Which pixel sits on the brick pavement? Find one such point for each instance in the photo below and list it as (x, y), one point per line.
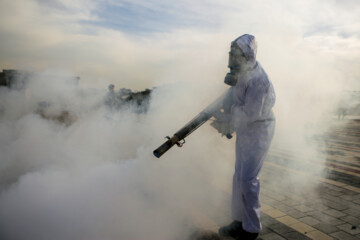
(298, 203)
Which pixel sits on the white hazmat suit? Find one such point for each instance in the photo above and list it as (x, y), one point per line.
(254, 124)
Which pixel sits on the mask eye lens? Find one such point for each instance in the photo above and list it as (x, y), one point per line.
(235, 54)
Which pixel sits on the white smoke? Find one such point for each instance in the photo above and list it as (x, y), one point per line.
(97, 177)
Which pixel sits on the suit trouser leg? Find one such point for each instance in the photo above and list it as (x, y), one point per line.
(252, 145)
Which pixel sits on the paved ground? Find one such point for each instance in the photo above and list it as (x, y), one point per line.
(309, 204)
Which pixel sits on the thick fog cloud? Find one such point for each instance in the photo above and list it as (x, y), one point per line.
(97, 177)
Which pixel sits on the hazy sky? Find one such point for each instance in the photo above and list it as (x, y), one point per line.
(141, 43)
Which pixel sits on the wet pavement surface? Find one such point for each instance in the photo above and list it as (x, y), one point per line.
(302, 199)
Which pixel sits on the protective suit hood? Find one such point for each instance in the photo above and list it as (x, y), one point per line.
(248, 45)
(242, 57)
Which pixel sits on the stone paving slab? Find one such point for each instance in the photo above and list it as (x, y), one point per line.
(309, 206)
(343, 236)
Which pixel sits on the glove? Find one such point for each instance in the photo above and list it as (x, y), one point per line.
(223, 124)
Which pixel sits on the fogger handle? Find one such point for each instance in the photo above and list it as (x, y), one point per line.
(166, 146)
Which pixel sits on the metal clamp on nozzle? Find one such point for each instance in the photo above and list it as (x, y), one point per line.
(179, 144)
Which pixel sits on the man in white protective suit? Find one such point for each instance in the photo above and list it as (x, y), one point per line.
(254, 123)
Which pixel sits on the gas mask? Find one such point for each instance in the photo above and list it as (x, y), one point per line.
(242, 57)
(237, 64)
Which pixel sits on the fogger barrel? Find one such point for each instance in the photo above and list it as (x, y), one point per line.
(191, 126)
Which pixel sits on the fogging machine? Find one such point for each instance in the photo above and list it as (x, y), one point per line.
(210, 111)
